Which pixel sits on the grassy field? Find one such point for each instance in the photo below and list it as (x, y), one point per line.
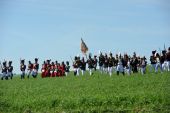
(97, 93)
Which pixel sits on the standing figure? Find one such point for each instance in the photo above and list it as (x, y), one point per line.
(22, 68)
(168, 59)
(75, 65)
(43, 69)
(63, 69)
(128, 66)
(35, 68)
(110, 64)
(52, 70)
(48, 69)
(95, 62)
(101, 62)
(135, 63)
(158, 63)
(30, 69)
(90, 65)
(10, 69)
(106, 63)
(83, 66)
(67, 68)
(143, 64)
(4, 71)
(153, 61)
(120, 65)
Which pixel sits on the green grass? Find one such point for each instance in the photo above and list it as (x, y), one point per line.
(97, 93)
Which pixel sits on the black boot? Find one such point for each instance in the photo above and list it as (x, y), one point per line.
(117, 72)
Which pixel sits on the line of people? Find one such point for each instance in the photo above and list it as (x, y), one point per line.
(107, 64)
(54, 69)
(122, 63)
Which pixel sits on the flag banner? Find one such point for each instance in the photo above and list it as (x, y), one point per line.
(84, 47)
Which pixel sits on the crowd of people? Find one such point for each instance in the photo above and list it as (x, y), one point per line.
(105, 63)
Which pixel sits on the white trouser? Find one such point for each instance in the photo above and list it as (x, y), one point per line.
(66, 73)
(158, 65)
(165, 66)
(101, 69)
(82, 72)
(78, 71)
(90, 71)
(168, 65)
(120, 68)
(110, 69)
(128, 71)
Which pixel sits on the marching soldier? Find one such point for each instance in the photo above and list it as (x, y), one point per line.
(4, 71)
(168, 59)
(48, 68)
(110, 64)
(163, 60)
(30, 68)
(135, 63)
(143, 64)
(10, 69)
(95, 62)
(106, 62)
(120, 65)
(43, 69)
(52, 69)
(67, 68)
(75, 66)
(63, 68)
(153, 61)
(83, 66)
(101, 62)
(90, 64)
(35, 68)
(158, 64)
(22, 68)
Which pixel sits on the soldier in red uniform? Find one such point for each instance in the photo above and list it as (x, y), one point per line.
(35, 68)
(47, 72)
(52, 69)
(63, 68)
(43, 70)
(56, 69)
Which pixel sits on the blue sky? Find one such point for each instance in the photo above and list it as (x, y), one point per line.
(53, 28)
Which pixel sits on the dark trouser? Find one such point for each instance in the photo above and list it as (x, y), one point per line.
(122, 73)
(23, 75)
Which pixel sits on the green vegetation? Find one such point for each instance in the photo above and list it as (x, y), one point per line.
(97, 93)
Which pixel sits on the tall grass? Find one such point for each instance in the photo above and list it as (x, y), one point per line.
(97, 93)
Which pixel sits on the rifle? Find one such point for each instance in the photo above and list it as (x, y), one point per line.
(71, 59)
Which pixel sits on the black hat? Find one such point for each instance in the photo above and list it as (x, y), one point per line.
(153, 52)
(169, 48)
(22, 61)
(48, 60)
(164, 51)
(36, 59)
(10, 62)
(4, 63)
